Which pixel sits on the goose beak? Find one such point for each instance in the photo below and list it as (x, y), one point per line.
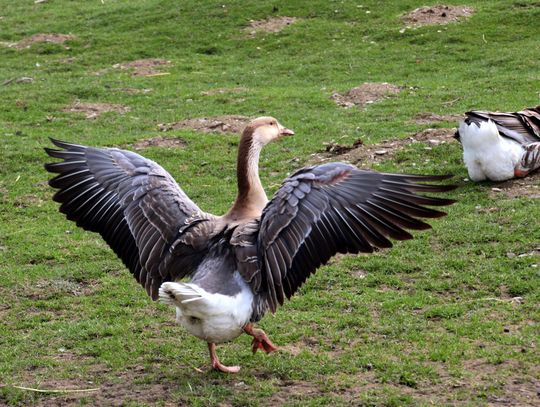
(283, 131)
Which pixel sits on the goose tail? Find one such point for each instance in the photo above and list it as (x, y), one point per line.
(177, 294)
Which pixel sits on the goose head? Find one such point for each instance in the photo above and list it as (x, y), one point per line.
(266, 129)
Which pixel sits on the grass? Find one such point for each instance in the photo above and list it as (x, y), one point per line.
(447, 318)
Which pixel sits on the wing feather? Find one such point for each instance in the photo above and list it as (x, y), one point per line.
(136, 207)
(331, 208)
(522, 126)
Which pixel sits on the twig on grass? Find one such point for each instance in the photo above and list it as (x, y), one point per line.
(55, 390)
(157, 74)
(451, 102)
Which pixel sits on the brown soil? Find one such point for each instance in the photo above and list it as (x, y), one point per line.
(221, 91)
(165, 142)
(144, 67)
(360, 154)
(107, 394)
(146, 385)
(294, 390)
(516, 390)
(440, 14)
(271, 24)
(432, 118)
(435, 136)
(220, 124)
(93, 110)
(447, 390)
(45, 289)
(520, 187)
(52, 38)
(365, 94)
(25, 201)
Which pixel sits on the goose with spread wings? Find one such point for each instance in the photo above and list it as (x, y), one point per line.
(500, 145)
(223, 273)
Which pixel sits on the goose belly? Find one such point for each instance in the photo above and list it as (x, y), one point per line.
(213, 329)
(213, 317)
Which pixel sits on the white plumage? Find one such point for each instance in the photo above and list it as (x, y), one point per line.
(215, 318)
(500, 145)
(487, 155)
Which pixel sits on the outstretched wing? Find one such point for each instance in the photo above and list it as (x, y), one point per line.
(134, 204)
(522, 126)
(331, 208)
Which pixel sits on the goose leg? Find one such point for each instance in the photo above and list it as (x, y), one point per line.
(260, 339)
(216, 364)
(518, 173)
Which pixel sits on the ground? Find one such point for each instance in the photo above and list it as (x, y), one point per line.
(365, 94)
(447, 318)
(438, 14)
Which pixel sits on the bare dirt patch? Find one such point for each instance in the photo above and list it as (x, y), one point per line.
(520, 187)
(516, 389)
(107, 394)
(271, 24)
(220, 124)
(365, 94)
(433, 118)
(45, 289)
(144, 67)
(51, 38)
(93, 110)
(25, 201)
(435, 136)
(358, 153)
(439, 14)
(294, 390)
(165, 142)
(222, 91)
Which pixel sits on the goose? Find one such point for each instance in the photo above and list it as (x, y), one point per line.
(500, 146)
(223, 273)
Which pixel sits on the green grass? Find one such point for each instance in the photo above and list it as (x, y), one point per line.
(435, 320)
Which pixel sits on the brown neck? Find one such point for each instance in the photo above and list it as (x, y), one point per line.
(251, 198)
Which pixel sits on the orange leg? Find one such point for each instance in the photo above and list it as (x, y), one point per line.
(216, 364)
(260, 339)
(520, 173)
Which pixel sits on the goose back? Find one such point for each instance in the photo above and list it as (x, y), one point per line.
(522, 127)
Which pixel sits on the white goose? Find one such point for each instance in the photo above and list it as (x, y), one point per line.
(249, 260)
(499, 146)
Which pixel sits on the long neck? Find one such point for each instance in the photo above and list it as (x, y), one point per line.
(251, 198)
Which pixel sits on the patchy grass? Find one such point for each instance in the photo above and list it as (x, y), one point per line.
(448, 318)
